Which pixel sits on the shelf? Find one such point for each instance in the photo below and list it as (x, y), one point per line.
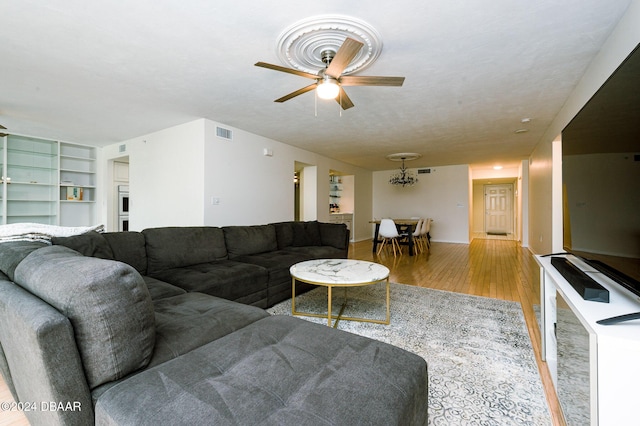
(75, 157)
(31, 183)
(76, 171)
(26, 166)
(20, 200)
(31, 215)
(66, 185)
(77, 201)
(28, 152)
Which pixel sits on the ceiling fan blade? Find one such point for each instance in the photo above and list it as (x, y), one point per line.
(344, 100)
(344, 56)
(2, 127)
(285, 69)
(297, 92)
(2, 135)
(361, 80)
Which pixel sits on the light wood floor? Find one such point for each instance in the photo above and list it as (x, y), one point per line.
(494, 268)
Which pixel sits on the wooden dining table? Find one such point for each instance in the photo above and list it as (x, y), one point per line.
(404, 226)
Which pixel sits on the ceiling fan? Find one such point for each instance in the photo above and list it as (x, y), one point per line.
(1, 133)
(330, 81)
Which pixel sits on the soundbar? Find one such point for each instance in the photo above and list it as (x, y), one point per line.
(586, 287)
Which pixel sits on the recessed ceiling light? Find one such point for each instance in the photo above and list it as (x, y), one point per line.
(497, 167)
(521, 131)
(525, 120)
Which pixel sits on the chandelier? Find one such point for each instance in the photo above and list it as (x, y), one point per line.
(404, 177)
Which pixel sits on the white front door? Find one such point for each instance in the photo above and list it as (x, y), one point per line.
(498, 204)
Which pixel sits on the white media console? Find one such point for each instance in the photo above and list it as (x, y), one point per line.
(595, 368)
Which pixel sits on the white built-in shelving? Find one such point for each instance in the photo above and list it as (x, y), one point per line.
(38, 178)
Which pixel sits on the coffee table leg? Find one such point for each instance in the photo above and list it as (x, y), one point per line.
(293, 296)
(329, 306)
(388, 303)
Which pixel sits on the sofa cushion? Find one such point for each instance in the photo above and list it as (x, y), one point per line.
(90, 244)
(277, 371)
(276, 262)
(107, 303)
(306, 234)
(128, 247)
(284, 234)
(241, 240)
(190, 320)
(334, 235)
(175, 247)
(242, 282)
(12, 253)
(160, 289)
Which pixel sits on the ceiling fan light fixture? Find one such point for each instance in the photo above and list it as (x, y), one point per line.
(328, 89)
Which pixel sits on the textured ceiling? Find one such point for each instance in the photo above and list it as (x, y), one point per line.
(100, 72)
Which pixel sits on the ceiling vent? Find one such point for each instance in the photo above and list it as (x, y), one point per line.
(224, 133)
(423, 171)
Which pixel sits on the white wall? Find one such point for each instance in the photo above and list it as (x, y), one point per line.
(165, 177)
(442, 195)
(540, 171)
(523, 204)
(254, 188)
(477, 207)
(251, 188)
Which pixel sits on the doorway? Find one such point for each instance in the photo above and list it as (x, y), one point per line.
(119, 214)
(305, 178)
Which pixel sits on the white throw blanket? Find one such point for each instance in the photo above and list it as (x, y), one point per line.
(41, 232)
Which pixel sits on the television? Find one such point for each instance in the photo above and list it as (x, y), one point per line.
(601, 178)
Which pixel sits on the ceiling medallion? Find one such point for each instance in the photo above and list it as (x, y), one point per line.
(403, 177)
(302, 44)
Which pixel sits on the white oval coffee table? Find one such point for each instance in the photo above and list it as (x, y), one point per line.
(332, 273)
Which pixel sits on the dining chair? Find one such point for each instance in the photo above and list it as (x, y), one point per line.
(426, 237)
(389, 233)
(422, 230)
(417, 240)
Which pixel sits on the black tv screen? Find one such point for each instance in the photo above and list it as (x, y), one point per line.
(601, 175)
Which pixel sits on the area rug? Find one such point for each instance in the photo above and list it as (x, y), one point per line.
(482, 369)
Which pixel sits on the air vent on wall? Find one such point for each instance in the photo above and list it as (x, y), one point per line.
(224, 133)
(423, 171)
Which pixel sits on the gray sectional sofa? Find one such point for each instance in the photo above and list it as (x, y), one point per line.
(157, 327)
